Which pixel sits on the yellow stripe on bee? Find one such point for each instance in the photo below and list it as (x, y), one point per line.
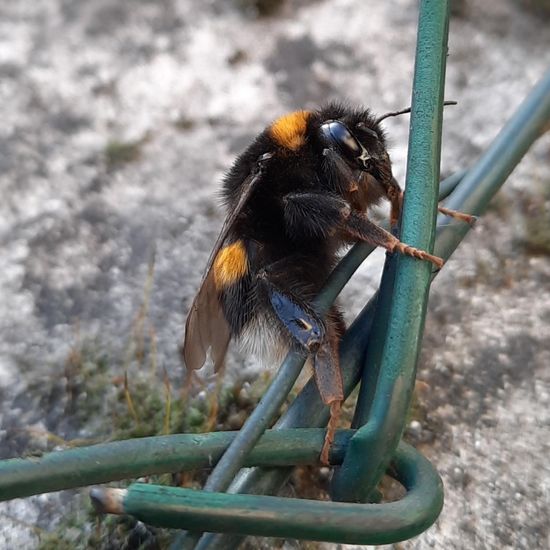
(230, 265)
(290, 130)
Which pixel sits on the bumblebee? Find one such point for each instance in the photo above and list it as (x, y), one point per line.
(296, 196)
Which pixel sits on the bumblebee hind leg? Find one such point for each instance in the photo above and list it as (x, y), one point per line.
(295, 316)
(328, 377)
(320, 339)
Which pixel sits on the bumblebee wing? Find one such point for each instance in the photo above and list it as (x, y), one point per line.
(206, 326)
(247, 188)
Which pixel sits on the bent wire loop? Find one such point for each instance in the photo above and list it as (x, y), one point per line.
(379, 350)
(290, 517)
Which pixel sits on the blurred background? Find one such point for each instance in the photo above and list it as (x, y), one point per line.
(118, 120)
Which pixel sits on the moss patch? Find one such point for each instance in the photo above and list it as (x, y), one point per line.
(86, 529)
(118, 153)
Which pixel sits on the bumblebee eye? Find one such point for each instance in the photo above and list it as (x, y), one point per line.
(337, 134)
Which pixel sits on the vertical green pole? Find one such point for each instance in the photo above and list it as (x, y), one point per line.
(392, 356)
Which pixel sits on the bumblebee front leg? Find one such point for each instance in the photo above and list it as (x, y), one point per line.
(467, 218)
(321, 215)
(395, 196)
(359, 228)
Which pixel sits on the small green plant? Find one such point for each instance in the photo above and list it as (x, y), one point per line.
(118, 153)
(87, 529)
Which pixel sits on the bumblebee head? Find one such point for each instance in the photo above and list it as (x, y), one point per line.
(348, 144)
(354, 147)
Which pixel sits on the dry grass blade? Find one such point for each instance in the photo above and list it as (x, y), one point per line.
(168, 411)
(153, 350)
(141, 316)
(129, 400)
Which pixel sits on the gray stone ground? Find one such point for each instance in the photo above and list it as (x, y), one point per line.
(188, 84)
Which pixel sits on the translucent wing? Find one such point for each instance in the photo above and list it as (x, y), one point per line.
(206, 327)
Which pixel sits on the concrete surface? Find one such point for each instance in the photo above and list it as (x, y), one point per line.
(118, 120)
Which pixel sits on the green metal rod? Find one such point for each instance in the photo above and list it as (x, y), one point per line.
(399, 320)
(417, 227)
(475, 190)
(449, 184)
(289, 517)
(23, 477)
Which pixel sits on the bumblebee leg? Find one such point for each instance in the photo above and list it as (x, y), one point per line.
(328, 378)
(468, 218)
(319, 338)
(320, 214)
(313, 214)
(297, 317)
(359, 227)
(395, 196)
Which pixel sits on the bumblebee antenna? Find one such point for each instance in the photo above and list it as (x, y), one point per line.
(405, 111)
